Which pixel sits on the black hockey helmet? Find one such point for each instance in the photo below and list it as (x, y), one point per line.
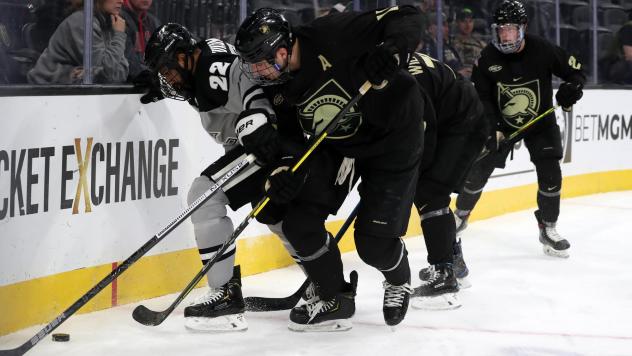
(509, 13)
(258, 39)
(161, 52)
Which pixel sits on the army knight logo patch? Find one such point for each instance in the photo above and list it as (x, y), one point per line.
(323, 105)
(519, 103)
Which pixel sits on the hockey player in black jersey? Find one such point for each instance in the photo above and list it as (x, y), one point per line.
(454, 136)
(513, 80)
(320, 67)
(237, 115)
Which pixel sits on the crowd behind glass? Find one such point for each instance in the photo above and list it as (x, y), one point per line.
(42, 42)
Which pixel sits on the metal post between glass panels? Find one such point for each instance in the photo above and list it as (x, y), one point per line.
(88, 7)
(594, 41)
(558, 39)
(439, 19)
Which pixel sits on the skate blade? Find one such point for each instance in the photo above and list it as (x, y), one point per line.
(224, 323)
(464, 283)
(446, 301)
(548, 250)
(325, 326)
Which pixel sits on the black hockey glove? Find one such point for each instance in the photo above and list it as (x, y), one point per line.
(148, 80)
(152, 96)
(381, 64)
(283, 186)
(568, 94)
(257, 135)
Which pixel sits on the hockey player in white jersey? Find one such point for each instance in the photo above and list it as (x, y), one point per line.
(236, 113)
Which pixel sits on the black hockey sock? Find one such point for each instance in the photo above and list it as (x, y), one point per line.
(549, 188)
(549, 207)
(326, 272)
(439, 235)
(400, 274)
(467, 199)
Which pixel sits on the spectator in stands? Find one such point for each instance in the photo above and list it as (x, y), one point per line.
(477, 7)
(617, 65)
(139, 25)
(467, 46)
(450, 55)
(9, 68)
(62, 61)
(48, 15)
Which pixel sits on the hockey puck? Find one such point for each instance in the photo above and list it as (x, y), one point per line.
(61, 337)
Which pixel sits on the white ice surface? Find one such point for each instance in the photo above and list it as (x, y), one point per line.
(521, 302)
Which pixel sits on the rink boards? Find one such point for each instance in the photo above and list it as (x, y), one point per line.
(86, 180)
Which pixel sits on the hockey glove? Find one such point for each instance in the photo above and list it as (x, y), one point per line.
(568, 94)
(283, 186)
(257, 135)
(148, 80)
(381, 64)
(152, 96)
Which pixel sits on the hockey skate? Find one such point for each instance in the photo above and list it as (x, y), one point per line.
(439, 292)
(220, 309)
(552, 243)
(326, 315)
(460, 268)
(396, 300)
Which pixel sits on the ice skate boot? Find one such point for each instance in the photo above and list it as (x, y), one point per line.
(552, 243)
(332, 314)
(396, 299)
(220, 309)
(439, 292)
(460, 268)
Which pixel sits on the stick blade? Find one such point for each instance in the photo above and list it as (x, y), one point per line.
(147, 317)
(261, 304)
(12, 352)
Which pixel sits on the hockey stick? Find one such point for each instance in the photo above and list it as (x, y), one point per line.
(517, 135)
(258, 304)
(145, 316)
(130, 260)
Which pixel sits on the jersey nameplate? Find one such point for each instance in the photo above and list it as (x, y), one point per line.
(219, 46)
